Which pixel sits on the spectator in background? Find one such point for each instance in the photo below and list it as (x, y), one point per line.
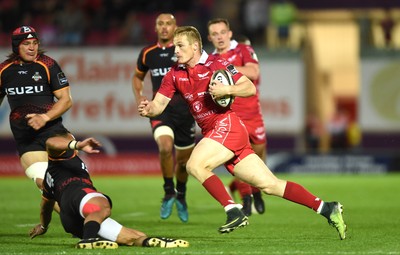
(337, 128)
(255, 18)
(313, 132)
(282, 15)
(387, 25)
(71, 23)
(132, 30)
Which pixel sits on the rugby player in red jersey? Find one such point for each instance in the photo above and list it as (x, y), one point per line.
(225, 141)
(248, 109)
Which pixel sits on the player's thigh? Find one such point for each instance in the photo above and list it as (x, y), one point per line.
(30, 157)
(183, 154)
(260, 150)
(164, 137)
(253, 171)
(209, 154)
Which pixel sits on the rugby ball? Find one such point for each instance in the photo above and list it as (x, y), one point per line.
(225, 78)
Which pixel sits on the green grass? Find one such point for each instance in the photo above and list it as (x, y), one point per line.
(371, 207)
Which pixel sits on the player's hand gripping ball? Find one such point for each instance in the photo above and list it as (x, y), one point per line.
(225, 78)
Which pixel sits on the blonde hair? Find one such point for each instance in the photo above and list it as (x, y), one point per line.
(192, 34)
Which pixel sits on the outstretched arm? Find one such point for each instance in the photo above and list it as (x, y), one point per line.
(153, 108)
(46, 209)
(60, 143)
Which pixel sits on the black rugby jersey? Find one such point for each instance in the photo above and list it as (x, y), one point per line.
(29, 86)
(159, 60)
(63, 173)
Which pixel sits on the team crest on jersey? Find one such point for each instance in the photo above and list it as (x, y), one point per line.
(36, 76)
(197, 106)
(61, 78)
(231, 68)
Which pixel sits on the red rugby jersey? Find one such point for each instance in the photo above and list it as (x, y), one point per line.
(192, 84)
(240, 54)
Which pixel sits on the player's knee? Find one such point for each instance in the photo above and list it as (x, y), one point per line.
(196, 168)
(190, 167)
(165, 151)
(270, 188)
(89, 208)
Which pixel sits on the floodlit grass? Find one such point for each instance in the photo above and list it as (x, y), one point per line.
(371, 210)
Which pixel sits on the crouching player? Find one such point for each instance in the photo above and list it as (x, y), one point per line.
(85, 212)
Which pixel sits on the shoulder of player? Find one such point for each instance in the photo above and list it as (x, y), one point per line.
(156, 48)
(216, 62)
(244, 47)
(4, 65)
(46, 60)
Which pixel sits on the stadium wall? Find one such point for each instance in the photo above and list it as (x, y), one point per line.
(104, 106)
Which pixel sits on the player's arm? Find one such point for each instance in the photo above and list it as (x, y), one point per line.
(244, 87)
(62, 143)
(137, 85)
(251, 70)
(153, 108)
(46, 209)
(63, 104)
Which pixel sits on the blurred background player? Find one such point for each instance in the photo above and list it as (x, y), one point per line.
(225, 140)
(176, 126)
(38, 94)
(85, 212)
(243, 57)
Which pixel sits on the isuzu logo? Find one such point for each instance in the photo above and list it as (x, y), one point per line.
(24, 90)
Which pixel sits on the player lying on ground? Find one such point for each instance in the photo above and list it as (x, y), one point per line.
(85, 212)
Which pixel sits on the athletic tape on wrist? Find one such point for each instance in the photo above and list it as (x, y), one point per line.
(72, 145)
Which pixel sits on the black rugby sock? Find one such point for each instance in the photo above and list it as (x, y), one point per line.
(90, 229)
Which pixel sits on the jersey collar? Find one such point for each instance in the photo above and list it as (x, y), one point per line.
(168, 46)
(203, 58)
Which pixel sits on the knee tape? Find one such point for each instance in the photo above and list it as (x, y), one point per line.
(89, 208)
(110, 229)
(85, 199)
(163, 130)
(36, 170)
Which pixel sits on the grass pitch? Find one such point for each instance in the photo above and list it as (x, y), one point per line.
(371, 211)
